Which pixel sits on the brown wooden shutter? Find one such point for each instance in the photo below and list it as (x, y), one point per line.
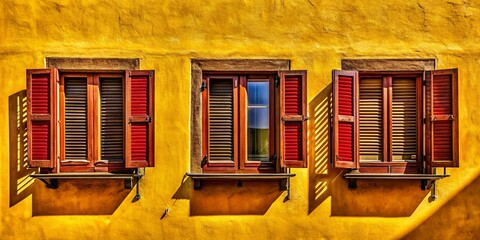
(220, 112)
(41, 117)
(371, 119)
(293, 116)
(139, 113)
(345, 119)
(404, 119)
(76, 119)
(442, 118)
(112, 119)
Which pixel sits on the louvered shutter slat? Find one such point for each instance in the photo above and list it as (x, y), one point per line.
(220, 120)
(371, 119)
(345, 119)
(41, 117)
(293, 114)
(442, 118)
(138, 120)
(76, 138)
(404, 119)
(111, 94)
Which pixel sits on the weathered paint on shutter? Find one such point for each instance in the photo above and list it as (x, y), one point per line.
(345, 119)
(293, 116)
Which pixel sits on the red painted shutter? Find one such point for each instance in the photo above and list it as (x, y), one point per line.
(345, 119)
(293, 116)
(138, 122)
(442, 118)
(41, 117)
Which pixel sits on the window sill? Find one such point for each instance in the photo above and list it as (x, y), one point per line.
(51, 179)
(199, 177)
(427, 179)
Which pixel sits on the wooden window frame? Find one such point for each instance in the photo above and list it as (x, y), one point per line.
(419, 67)
(241, 163)
(387, 165)
(93, 163)
(230, 66)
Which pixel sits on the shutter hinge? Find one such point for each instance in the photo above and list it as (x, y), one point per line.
(204, 161)
(274, 160)
(277, 81)
(149, 119)
(203, 86)
(150, 73)
(424, 121)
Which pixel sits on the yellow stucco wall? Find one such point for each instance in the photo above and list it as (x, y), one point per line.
(315, 35)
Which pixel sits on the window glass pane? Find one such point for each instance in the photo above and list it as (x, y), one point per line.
(76, 119)
(111, 95)
(258, 120)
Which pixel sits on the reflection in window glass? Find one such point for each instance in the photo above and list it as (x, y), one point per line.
(258, 120)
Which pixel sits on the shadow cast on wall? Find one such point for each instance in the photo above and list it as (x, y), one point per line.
(228, 197)
(20, 183)
(72, 197)
(386, 198)
(459, 218)
(79, 197)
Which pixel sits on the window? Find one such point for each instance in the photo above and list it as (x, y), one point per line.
(395, 122)
(90, 121)
(253, 121)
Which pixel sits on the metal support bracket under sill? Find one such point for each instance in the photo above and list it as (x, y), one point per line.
(282, 177)
(51, 179)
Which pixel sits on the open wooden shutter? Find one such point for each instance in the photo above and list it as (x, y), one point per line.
(139, 98)
(442, 118)
(293, 116)
(41, 117)
(345, 119)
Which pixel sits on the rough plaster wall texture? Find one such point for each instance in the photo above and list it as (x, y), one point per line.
(314, 35)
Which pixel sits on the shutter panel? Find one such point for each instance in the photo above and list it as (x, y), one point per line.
(442, 118)
(345, 119)
(220, 118)
(371, 119)
(138, 123)
(404, 119)
(76, 125)
(41, 117)
(111, 94)
(221, 121)
(293, 116)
